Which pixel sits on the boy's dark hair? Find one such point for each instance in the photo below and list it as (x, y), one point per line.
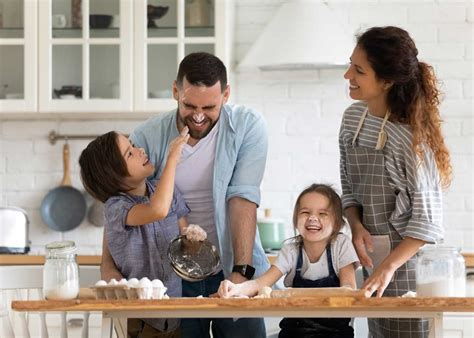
(335, 205)
(103, 167)
(202, 69)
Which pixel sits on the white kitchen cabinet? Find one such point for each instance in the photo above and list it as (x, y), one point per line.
(90, 56)
(18, 55)
(62, 62)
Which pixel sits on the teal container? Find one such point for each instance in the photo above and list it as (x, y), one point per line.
(272, 232)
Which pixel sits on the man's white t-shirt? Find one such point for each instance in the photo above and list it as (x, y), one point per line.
(194, 176)
(342, 254)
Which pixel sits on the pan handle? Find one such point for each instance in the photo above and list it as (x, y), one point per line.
(67, 171)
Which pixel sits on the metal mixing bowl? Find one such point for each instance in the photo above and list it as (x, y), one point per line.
(193, 261)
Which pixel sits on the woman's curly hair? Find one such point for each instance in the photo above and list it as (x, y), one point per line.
(414, 96)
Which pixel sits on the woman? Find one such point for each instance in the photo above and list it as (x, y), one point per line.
(394, 164)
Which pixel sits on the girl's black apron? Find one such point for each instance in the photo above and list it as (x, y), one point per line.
(316, 327)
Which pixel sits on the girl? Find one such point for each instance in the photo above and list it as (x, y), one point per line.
(393, 164)
(319, 256)
(141, 216)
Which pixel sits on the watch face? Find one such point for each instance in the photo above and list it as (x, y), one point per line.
(245, 270)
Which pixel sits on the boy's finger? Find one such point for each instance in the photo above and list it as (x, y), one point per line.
(185, 131)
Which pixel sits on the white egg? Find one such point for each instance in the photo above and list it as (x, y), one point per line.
(133, 282)
(123, 281)
(156, 283)
(144, 282)
(113, 281)
(101, 283)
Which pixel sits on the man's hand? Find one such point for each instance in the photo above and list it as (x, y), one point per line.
(227, 289)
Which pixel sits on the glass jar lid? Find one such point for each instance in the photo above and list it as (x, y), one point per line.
(61, 247)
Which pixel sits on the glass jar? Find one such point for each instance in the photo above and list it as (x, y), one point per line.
(60, 271)
(440, 272)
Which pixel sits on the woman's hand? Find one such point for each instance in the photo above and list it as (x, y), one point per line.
(381, 276)
(194, 233)
(379, 280)
(176, 145)
(362, 243)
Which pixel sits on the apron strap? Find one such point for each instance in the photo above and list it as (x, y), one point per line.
(382, 134)
(359, 127)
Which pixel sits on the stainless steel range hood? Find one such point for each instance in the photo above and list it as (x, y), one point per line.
(303, 34)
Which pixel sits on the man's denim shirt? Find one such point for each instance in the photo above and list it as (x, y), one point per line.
(238, 169)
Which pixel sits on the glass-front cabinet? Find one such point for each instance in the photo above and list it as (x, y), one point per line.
(18, 50)
(102, 56)
(173, 29)
(85, 53)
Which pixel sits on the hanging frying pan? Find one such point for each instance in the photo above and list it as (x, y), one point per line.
(64, 207)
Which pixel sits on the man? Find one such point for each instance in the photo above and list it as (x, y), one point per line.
(219, 174)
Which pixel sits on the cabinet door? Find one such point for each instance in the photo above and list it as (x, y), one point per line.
(18, 63)
(165, 32)
(85, 55)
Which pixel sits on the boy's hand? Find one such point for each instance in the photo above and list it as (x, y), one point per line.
(176, 145)
(195, 233)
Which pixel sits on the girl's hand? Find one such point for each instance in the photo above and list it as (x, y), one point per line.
(379, 280)
(362, 243)
(176, 146)
(195, 233)
(228, 289)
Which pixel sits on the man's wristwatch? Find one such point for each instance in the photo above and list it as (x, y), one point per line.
(245, 270)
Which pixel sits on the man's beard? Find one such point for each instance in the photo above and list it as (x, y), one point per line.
(197, 135)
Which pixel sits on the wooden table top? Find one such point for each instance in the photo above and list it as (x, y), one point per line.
(253, 305)
(96, 259)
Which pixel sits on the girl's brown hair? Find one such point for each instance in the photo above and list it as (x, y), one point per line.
(414, 96)
(335, 205)
(103, 167)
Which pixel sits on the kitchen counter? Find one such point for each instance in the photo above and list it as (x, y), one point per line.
(39, 260)
(95, 260)
(322, 306)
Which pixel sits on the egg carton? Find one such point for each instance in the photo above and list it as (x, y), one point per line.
(126, 292)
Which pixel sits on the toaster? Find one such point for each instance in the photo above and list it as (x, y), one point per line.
(14, 225)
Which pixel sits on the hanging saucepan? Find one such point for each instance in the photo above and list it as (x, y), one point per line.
(64, 207)
(96, 215)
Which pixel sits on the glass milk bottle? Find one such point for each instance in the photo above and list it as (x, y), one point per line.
(60, 271)
(440, 272)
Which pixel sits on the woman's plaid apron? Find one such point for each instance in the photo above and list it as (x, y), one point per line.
(370, 186)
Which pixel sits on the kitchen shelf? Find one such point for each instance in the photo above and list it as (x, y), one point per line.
(11, 33)
(94, 33)
(189, 31)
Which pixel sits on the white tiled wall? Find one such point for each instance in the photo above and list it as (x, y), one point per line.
(303, 110)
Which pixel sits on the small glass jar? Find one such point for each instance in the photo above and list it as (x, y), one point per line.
(440, 272)
(60, 271)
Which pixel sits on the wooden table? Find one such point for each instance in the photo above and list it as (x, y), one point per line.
(344, 306)
(95, 259)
